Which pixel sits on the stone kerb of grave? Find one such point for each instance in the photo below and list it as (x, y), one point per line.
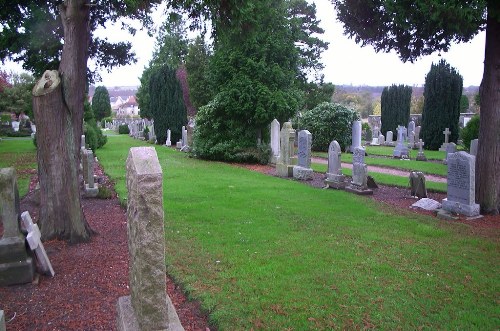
(16, 267)
(302, 170)
(334, 177)
(148, 307)
(461, 185)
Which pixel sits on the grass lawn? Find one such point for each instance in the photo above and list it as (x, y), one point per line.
(266, 253)
(20, 154)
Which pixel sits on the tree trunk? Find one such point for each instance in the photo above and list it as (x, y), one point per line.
(58, 106)
(488, 155)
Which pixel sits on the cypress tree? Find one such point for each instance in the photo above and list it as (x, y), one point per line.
(395, 107)
(442, 92)
(166, 103)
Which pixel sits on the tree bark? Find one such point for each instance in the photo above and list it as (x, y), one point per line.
(488, 155)
(58, 107)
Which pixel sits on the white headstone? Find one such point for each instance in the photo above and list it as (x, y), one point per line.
(450, 149)
(389, 138)
(33, 128)
(381, 139)
(401, 149)
(411, 127)
(334, 176)
(36, 245)
(275, 140)
(15, 126)
(168, 142)
(356, 135)
(461, 198)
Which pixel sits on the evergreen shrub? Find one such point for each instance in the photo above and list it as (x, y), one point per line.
(327, 122)
(123, 129)
(470, 131)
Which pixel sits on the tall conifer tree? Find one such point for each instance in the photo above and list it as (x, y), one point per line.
(395, 107)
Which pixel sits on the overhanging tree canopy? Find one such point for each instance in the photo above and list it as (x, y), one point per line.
(421, 27)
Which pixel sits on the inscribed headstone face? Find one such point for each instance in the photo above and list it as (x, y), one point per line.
(334, 154)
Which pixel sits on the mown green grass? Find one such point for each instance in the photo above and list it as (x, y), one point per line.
(426, 167)
(20, 154)
(266, 253)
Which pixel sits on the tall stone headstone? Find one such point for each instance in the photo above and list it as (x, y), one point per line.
(461, 198)
(401, 150)
(82, 146)
(148, 306)
(334, 176)
(303, 169)
(411, 139)
(446, 133)
(359, 184)
(389, 139)
(474, 144)
(450, 149)
(185, 146)
(168, 142)
(91, 189)
(417, 132)
(356, 135)
(16, 267)
(275, 141)
(285, 164)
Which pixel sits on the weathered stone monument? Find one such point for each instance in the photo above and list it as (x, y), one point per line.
(411, 127)
(168, 142)
(446, 133)
(421, 156)
(285, 164)
(334, 177)
(358, 184)
(417, 132)
(381, 139)
(275, 141)
(303, 169)
(148, 307)
(461, 185)
(91, 188)
(411, 139)
(36, 245)
(417, 185)
(389, 139)
(185, 146)
(474, 144)
(16, 267)
(450, 149)
(356, 135)
(401, 150)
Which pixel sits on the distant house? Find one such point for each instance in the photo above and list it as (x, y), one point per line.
(126, 108)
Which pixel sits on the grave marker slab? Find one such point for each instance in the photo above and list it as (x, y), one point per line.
(334, 177)
(285, 164)
(358, 184)
(275, 141)
(427, 204)
(356, 135)
(389, 139)
(303, 169)
(36, 244)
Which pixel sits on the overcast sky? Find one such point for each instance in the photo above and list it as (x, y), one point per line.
(345, 61)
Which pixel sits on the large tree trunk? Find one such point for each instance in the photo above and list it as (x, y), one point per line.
(488, 155)
(58, 108)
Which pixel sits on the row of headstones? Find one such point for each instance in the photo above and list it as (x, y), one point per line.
(136, 129)
(186, 141)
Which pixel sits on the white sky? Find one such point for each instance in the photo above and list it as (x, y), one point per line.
(345, 61)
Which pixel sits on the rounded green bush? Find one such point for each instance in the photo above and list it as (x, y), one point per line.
(327, 122)
(123, 129)
(470, 131)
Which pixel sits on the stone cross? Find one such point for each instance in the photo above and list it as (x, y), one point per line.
(148, 306)
(36, 245)
(420, 146)
(446, 133)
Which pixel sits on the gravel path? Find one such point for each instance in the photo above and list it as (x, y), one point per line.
(395, 172)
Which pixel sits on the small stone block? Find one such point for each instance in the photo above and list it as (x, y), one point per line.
(91, 192)
(302, 173)
(20, 272)
(358, 190)
(461, 208)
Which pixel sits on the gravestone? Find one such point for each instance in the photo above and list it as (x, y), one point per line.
(356, 135)
(285, 164)
(417, 132)
(148, 307)
(381, 139)
(15, 126)
(474, 143)
(358, 184)
(275, 141)
(411, 140)
(411, 127)
(189, 135)
(168, 142)
(334, 177)
(16, 267)
(421, 156)
(446, 133)
(461, 185)
(302, 170)
(401, 150)
(91, 188)
(36, 245)
(450, 149)
(389, 140)
(185, 146)
(33, 128)
(82, 144)
(427, 204)
(417, 185)
(375, 142)
(2, 321)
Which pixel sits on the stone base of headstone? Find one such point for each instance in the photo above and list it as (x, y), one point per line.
(2, 321)
(284, 170)
(358, 190)
(302, 173)
(400, 151)
(179, 145)
(421, 157)
(335, 181)
(15, 265)
(374, 142)
(460, 208)
(127, 320)
(91, 192)
(168, 143)
(443, 147)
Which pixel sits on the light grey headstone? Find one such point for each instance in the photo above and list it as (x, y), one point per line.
(9, 203)
(450, 149)
(358, 155)
(421, 156)
(334, 155)
(411, 127)
(381, 139)
(389, 138)
(427, 204)
(401, 150)
(275, 138)
(146, 240)
(168, 142)
(461, 184)
(474, 143)
(356, 135)
(36, 244)
(82, 146)
(417, 132)
(15, 126)
(33, 128)
(304, 149)
(184, 136)
(2, 321)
